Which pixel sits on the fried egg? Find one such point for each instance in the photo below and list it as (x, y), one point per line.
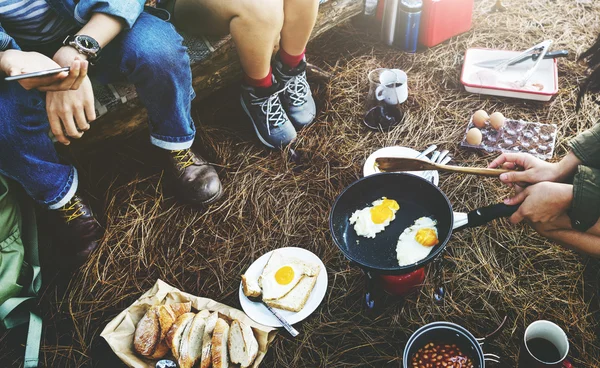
(416, 242)
(374, 219)
(281, 275)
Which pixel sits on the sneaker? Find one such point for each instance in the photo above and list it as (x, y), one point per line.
(271, 123)
(296, 98)
(76, 230)
(196, 181)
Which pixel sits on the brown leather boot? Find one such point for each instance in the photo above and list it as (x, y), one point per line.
(196, 181)
(77, 232)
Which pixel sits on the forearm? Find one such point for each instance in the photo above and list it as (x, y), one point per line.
(103, 28)
(568, 166)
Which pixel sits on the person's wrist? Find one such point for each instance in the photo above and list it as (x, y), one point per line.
(567, 166)
(67, 54)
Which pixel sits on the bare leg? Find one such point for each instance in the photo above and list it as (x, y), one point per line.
(562, 233)
(255, 26)
(300, 18)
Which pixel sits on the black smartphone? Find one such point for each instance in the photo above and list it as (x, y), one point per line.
(43, 73)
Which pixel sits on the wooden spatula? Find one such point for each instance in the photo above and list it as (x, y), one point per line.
(392, 164)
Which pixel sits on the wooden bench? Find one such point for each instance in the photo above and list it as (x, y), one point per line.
(214, 65)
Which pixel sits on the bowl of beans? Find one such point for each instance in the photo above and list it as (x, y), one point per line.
(444, 345)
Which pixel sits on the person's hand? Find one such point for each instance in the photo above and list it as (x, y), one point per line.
(15, 62)
(69, 112)
(532, 170)
(542, 202)
(68, 56)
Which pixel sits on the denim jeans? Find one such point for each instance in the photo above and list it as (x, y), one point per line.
(150, 56)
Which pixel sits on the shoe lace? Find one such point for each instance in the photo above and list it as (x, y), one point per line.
(298, 88)
(184, 158)
(273, 109)
(71, 210)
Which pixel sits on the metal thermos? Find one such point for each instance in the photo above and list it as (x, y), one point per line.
(408, 19)
(388, 23)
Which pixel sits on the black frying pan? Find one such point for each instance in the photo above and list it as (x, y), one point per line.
(417, 198)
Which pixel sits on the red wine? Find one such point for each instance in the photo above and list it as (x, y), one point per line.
(543, 350)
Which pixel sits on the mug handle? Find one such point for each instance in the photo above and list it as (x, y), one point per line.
(379, 93)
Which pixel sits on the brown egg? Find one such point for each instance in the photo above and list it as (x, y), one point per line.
(474, 137)
(479, 118)
(497, 120)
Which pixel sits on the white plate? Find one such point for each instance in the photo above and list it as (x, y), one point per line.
(396, 151)
(260, 314)
(486, 81)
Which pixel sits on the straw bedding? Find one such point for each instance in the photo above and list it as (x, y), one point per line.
(270, 202)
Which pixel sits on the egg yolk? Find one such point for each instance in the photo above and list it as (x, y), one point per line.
(384, 211)
(426, 237)
(284, 275)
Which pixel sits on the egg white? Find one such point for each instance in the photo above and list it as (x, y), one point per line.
(271, 289)
(410, 251)
(363, 223)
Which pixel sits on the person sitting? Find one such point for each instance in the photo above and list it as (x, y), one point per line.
(122, 43)
(275, 94)
(561, 200)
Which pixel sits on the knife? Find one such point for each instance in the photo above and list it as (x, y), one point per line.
(491, 64)
(393, 164)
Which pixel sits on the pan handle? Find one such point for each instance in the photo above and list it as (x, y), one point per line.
(484, 215)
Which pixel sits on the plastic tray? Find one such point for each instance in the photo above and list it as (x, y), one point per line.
(517, 136)
(542, 86)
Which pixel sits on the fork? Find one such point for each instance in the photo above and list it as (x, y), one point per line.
(438, 158)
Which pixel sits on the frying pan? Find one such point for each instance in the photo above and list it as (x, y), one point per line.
(417, 198)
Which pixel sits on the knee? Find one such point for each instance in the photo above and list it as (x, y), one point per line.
(23, 112)
(268, 13)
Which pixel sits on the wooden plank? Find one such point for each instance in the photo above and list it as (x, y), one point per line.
(220, 70)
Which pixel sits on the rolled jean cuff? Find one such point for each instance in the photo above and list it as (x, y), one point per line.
(67, 193)
(172, 143)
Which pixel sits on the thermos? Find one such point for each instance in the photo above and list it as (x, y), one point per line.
(388, 22)
(408, 19)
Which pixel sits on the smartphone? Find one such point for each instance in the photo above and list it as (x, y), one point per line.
(43, 73)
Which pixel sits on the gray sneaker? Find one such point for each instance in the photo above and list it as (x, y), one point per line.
(264, 108)
(296, 98)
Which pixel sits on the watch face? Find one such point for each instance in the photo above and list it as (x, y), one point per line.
(87, 44)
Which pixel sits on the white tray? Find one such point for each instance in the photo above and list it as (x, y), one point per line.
(542, 86)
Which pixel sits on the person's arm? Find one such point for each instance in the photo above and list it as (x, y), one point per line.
(586, 146)
(585, 207)
(127, 11)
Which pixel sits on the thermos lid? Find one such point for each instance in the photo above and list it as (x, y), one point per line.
(411, 5)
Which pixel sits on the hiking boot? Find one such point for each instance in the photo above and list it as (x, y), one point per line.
(271, 123)
(196, 181)
(76, 230)
(296, 98)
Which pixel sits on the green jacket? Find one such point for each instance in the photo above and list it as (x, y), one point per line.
(585, 209)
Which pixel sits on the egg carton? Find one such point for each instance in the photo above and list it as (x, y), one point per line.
(517, 136)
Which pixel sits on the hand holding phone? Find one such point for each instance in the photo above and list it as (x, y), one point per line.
(42, 73)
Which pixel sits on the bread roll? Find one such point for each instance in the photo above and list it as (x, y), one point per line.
(219, 344)
(147, 333)
(243, 347)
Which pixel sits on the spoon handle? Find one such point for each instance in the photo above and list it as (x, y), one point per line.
(283, 321)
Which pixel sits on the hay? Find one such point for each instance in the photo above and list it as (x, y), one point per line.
(269, 203)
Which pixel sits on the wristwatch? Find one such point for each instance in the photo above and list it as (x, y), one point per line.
(86, 45)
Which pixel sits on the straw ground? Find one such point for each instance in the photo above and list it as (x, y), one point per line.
(270, 202)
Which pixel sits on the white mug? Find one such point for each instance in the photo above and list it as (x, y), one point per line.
(393, 87)
(550, 332)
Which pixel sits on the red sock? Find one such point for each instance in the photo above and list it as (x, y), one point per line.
(265, 82)
(290, 61)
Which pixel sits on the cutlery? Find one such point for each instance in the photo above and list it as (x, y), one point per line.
(491, 64)
(283, 321)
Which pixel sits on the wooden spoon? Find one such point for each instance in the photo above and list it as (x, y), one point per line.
(392, 164)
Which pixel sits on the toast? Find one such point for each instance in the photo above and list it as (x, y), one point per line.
(295, 300)
(250, 287)
(206, 359)
(243, 347)
(219, 344)
(147, 333)
(191, 342)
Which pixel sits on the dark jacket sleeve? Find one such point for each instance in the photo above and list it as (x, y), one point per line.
(585, 208)
(586, 146)
(6, 41)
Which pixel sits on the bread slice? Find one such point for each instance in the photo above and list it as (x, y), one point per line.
(176, 332)
(250, 287)
(147, 333)
(180, 308)
(243, 347)
(219, 344)
(190, 349)
(295, 300)
(206, 359)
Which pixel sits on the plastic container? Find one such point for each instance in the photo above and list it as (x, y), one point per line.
(408, 19)
(444, 19)
(542, 86)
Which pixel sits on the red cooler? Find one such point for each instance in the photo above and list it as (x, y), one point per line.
(444, 19)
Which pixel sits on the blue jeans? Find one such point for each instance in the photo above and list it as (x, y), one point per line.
(150, 56)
